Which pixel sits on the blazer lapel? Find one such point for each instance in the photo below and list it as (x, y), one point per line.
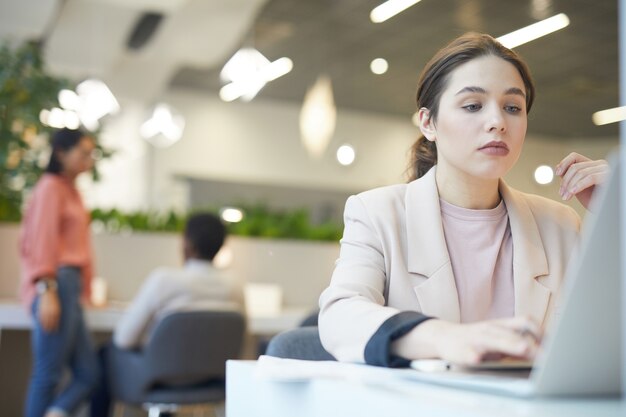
(428, 252)
(529, 257)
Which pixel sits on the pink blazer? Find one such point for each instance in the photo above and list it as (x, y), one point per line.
(394, 258)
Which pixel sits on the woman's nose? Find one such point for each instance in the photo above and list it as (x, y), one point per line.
(495, 121)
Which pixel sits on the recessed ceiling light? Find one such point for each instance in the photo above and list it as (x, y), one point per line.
(604, 117)
(318, 117)
(379, 66)
(96, 101)
(55, 118)
(248, 71)
(164, 127)
(69, 100)
(231, 214)
(534, 31)
(70, 119)
(346, 155)
(544, 174)
(389, 9)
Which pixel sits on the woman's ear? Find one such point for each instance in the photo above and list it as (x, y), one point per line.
(426, 125)
(60, 157)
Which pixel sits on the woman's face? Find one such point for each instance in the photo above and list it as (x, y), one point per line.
(481, 121)
(79, 158)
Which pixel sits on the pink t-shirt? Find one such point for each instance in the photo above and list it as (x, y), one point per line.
(55, 232)
(481, 252)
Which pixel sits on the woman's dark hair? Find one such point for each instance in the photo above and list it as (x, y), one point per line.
(434, 78)
(63, 140)
(206, 233)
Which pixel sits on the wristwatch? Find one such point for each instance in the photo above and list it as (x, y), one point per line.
(44, 285)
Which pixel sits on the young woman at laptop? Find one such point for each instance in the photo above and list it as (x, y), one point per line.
(456, 264)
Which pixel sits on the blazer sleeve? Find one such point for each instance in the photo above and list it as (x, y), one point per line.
(354, 322)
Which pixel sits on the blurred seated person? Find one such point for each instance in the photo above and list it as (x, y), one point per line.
(197, 286)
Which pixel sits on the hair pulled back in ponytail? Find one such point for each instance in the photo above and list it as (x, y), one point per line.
(423, 157)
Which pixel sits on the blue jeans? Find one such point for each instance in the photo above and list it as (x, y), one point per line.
(69, 347)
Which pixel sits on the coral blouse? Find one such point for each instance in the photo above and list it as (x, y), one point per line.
(55, 233)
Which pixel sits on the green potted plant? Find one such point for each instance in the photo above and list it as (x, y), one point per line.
(25, 89)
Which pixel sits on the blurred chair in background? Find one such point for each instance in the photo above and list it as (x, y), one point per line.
(181, 367)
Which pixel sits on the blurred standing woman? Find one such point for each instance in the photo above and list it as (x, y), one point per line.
(57, 265)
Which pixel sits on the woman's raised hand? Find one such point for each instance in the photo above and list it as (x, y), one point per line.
(579, 177)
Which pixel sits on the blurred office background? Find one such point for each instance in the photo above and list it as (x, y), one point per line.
(170, 53)
(287, 105)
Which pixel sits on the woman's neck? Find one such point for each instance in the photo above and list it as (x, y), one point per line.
(465, 191)
(68, 176)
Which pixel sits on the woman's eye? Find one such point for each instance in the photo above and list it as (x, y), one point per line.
(472, 107)
(513, 109)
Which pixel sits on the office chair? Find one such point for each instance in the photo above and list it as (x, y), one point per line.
(300, 343)
(181, 367)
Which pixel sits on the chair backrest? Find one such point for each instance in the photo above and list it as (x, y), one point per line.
(193, 346)
(300, 343)
(311, 319)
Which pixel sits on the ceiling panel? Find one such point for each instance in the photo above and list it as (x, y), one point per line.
(575, 68)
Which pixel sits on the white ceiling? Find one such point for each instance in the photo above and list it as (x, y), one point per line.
(87, 38)
(575, 69)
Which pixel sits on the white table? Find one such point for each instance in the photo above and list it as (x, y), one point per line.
(15, 356)
(250, 395)
(14, 315)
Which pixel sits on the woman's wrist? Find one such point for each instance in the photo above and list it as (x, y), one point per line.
(422, 342)
(46, 285)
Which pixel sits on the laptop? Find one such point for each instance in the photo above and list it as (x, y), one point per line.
(581, 352)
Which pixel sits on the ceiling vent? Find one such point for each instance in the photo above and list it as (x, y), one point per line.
(144, 29)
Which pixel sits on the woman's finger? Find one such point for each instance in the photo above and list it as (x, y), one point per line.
(587, 177)
(572, 171)
(579, 180)
(517, 340)
(572, 158)
(589, 180)
(523, 325)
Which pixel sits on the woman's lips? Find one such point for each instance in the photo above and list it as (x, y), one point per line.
(495, 148)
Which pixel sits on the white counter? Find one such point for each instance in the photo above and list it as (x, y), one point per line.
(386, 394)
(14, 315)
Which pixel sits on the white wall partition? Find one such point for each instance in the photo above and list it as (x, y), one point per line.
(259, 143)
(302, 269)
(124, 179)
